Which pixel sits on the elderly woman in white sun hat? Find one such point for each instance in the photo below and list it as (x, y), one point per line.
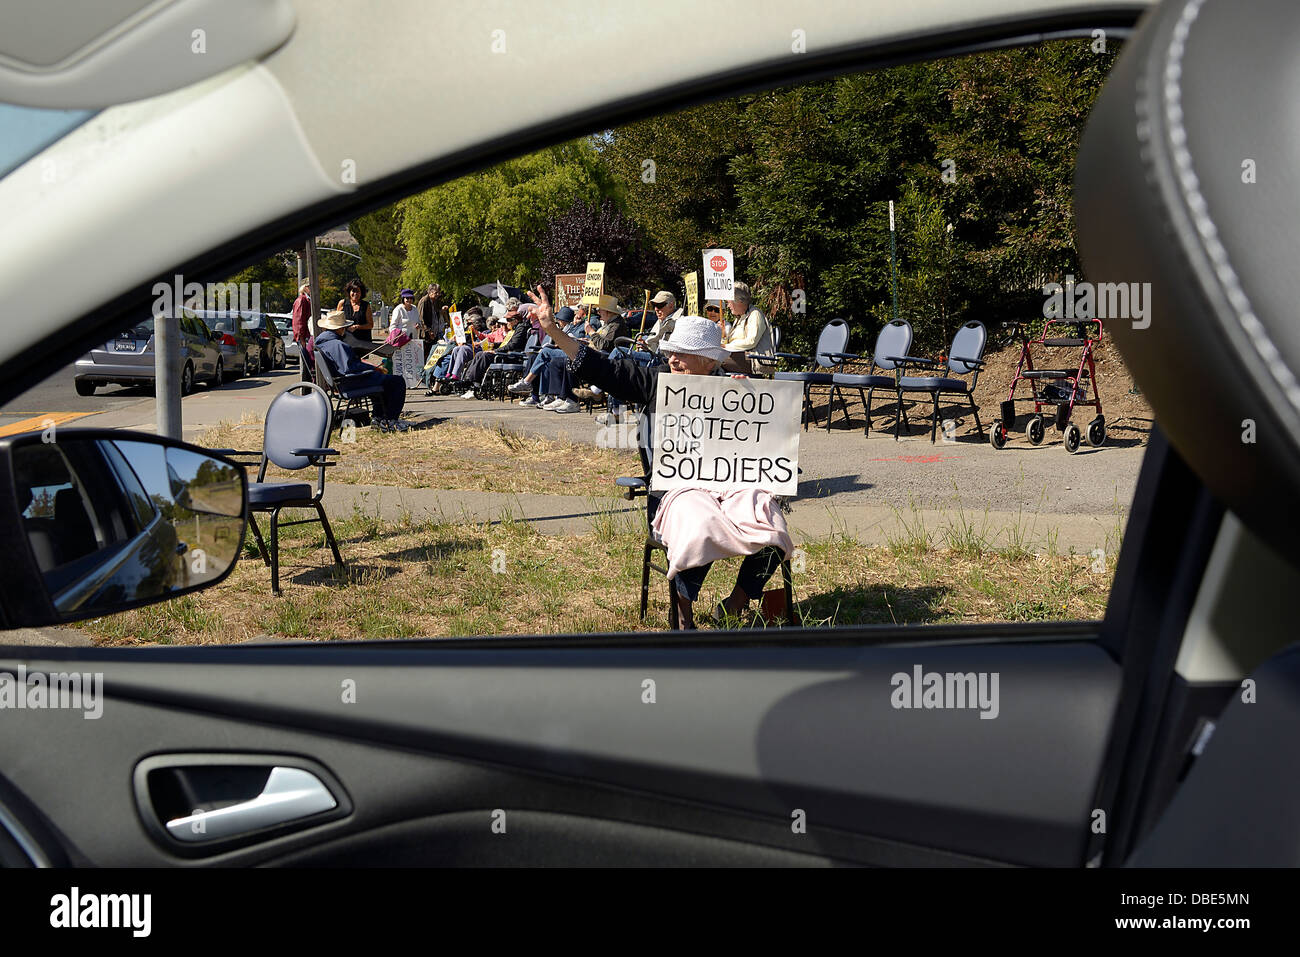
(698, 526)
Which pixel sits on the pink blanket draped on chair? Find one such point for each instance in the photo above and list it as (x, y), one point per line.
(701, 525)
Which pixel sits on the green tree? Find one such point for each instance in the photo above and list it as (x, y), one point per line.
(382, 254)
(486, 226)
(687, 199)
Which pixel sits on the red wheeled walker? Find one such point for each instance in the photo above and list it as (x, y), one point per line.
(1058, 390)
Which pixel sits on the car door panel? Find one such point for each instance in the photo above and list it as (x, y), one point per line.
(744, 736)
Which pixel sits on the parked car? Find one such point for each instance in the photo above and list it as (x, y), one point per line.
(284, 328)
(268, 336)
(128, 358)
(241, 349)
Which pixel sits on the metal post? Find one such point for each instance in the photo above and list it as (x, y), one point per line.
(167, 372)
(893, 258)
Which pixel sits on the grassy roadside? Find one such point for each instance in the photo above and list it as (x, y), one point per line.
(425, 579)
(452, 456)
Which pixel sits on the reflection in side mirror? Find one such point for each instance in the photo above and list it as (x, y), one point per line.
(114, 520)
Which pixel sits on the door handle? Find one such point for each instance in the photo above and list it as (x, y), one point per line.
(288, 795)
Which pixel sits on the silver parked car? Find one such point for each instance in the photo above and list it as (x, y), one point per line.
(240, 347)
(270, 342)
(284, 326)
(128, 358)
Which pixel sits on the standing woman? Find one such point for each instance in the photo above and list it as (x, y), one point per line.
(410, 357)
(356, 310)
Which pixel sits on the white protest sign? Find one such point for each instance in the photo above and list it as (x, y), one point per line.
(716, 432)
(719, 274)
(458, 327)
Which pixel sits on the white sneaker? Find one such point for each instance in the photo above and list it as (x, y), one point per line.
(566, 405)
(468, 395)
(550, 405)
(520, 387)
(530, 401)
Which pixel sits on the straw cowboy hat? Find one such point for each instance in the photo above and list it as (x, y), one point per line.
(608, 304)
(696, 336)
(335, 320)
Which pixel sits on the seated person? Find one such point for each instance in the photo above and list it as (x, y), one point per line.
(473, 373)
(750, 333)
(475, 331)
(574, 323)
(498, 333)
(344, 362)
(698, 526)
(666, 316)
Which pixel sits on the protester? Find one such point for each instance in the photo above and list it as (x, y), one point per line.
(301, 325)
(409, 358)
(476, 369)
(667, 314)
(574, 323)
(698, 526)
(344, 362)
(748, 334)
(432, 316)
(356, 310)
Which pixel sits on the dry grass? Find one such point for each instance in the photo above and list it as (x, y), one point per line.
(409, 579)
(447, 455)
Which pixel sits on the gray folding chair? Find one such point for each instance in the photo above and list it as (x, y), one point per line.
(296, 430)
(965, 357)
(832, 342)
(895, 339)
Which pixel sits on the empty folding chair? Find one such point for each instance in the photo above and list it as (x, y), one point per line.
(895, 339)
(965, 357)
(294, 436)
(831, 343)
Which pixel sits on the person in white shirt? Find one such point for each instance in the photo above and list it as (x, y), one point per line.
(406, 317)
(750, 333)
(408, 361)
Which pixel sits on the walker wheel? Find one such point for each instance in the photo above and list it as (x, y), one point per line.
(998, 436)
(1072, 438)
(1035, 430)
(1097, 432)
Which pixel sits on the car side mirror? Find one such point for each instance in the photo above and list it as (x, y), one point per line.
(96, 521)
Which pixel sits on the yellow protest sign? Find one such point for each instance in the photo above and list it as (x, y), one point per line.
(594, 285)
(692, 293)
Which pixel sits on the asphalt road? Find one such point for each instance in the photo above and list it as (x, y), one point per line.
(57, 397)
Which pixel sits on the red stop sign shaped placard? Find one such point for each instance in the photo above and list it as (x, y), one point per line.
(719, 263)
